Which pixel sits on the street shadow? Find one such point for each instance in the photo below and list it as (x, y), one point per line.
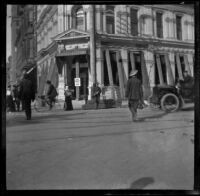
(142, 119)
(142, 183)
(20, 120)
(191, 108)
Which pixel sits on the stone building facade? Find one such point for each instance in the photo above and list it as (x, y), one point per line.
(23, 41)
(157, 40)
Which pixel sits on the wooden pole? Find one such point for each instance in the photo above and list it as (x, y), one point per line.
(178, 63)
(159, 69)
(169, 70)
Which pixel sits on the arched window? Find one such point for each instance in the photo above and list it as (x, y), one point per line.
(110, 19)
(78, 18)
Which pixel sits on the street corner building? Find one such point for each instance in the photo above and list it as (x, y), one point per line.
(103, 43)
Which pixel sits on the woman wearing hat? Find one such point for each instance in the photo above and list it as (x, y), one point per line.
(134, 93)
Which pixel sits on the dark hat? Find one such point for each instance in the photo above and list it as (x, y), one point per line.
(48, 82)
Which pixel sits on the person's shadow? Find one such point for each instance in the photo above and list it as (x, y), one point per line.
(142, 183)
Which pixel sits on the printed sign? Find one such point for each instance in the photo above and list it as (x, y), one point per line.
(77, 81)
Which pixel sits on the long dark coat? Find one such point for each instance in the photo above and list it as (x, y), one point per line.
(27, 90)
(134, 89)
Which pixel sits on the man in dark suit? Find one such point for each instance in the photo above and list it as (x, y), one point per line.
(134, 93)
(27, 94)
(96, 94)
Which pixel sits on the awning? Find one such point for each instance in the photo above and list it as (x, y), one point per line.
(73, 52)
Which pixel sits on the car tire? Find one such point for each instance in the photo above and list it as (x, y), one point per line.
(167, 99)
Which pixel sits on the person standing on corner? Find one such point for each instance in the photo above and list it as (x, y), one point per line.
(68, 99)
(134, 94)
(27, 94)
(96, 94)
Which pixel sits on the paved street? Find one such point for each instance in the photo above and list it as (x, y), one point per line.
(101, 149)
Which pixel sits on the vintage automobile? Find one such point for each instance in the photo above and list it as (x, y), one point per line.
(170, 98)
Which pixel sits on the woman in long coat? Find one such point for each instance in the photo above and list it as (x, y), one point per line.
(68, 99)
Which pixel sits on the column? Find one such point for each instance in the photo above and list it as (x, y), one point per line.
(121, 78)
(179, 67)
(150, 65)
(104, 19)
(191, 63)
(145, 77)
(99, 66)
(170, 77)
(92, 44)
(124, 54)
(109, 67)
(159, 69)
(132, 57)
(187, 64)
(77, 76)
(172, 63)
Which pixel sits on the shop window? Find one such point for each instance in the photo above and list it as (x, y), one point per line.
(110, 19)
(134, 22)
(163, 69)
(178, 27)
(159, 25)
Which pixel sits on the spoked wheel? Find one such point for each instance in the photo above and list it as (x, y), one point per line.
(40, 106)
(170, 103)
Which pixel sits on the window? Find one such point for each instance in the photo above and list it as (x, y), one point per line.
(78, 18)
(134, 22)
(178, 28)
(159, 25)
(110, 20)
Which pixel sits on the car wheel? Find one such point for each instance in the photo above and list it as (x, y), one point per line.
(170, 102)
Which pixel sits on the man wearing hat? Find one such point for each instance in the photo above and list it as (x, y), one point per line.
(134, 93)
(27, 94)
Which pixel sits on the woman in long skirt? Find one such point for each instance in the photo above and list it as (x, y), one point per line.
(68, 99)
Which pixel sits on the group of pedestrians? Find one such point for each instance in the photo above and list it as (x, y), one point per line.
(13, 99)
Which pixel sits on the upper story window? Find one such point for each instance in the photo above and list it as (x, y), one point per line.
(110, 19)
(159, 25)
(134, 21)
(78, 18)
(178, 27)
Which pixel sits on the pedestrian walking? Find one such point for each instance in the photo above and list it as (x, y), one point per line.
(27, 94)
(16, 97)
(96, 94)
(68, 98)
(134, 94)
(51, 94)
(10, 105)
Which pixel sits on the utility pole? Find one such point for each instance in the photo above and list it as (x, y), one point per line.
(93, 45)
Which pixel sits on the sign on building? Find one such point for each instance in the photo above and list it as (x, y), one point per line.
(77, 81)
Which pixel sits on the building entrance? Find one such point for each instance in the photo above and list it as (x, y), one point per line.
(79, 69)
